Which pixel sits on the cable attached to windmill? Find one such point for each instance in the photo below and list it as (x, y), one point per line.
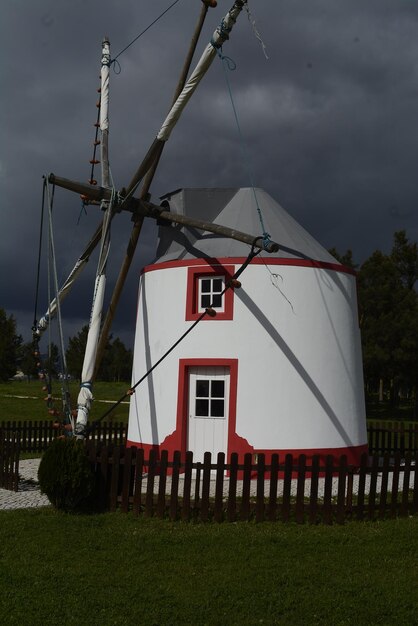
(228, 63)
(44, 373)
(233, 282)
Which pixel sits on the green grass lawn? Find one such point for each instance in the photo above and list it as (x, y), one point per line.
(25, 401)
(116, 569)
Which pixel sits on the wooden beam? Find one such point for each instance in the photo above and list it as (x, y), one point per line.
(152, 210)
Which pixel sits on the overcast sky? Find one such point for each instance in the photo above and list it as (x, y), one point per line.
(330, 121)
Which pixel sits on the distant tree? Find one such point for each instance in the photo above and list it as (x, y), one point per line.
(120, 362)
(346, 258)
(116, 363)
(51, 363)
(405, 257)
(75, 352)
(28, 361)
(10, 344)
(388, 306)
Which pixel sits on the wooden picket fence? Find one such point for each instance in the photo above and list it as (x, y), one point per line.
(9, 461)
(392, 437)
(36, 436)
(286, 489)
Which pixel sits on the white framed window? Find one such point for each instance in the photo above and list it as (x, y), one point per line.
(210, 293)
(209, 398)
(204, 288)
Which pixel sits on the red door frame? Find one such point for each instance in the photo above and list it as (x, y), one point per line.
(183, 398)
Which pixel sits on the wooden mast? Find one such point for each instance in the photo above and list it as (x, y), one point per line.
(148, 168)
(85, 395)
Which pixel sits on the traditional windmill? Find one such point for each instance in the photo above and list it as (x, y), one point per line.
(273, 368)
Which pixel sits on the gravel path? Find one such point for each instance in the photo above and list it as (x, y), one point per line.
(29, 495)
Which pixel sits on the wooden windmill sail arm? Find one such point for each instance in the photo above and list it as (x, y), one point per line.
(152, 210)
(142, 208)
(220, 35)
(65, 289)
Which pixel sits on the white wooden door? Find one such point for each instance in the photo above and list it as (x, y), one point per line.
(208, 411)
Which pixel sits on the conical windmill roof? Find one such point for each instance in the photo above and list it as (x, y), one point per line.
(237, 209)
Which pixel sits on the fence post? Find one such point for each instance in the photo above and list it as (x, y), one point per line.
(246, 485)
(364, 460)
(384, 486)
(274, 472)
(313, 496)
(300, 491)
(204, 508)
(114, 483)
(175, 485)
(287, 484)
(219, 487)
(187, 486)
(127, 476)
(342, 478)
(162, 484)
(232, 495)
(395, 485)
(149, 497)
(139, 469)
(373, 484)
(329, 470)
(259, 504)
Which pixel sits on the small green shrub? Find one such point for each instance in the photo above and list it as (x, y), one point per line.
(65, 475)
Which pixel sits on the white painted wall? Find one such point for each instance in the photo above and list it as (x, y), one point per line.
(298, 344)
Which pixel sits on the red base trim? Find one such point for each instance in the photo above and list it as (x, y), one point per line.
(242, 447)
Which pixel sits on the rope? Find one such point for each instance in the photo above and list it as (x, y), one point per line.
(255, 30)
(113, 61)
(253, 253)
(228, 63)
(38, 271)
(64, 384)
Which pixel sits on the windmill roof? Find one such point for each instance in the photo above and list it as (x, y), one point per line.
(236, 208)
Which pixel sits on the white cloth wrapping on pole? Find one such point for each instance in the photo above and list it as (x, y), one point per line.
(218, 38)
(104, 93)
(85, 396)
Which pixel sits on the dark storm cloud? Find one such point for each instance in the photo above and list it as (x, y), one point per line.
(329, 122)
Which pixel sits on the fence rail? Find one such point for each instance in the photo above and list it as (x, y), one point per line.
(392, 437)
(287, 489)
(36, 436)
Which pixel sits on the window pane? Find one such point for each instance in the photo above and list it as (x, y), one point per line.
(205, 301)
(217, 408)
(202, 408)
(218, 388)
(217, 284)
(217, 301)
(205, 285)
(202, 388)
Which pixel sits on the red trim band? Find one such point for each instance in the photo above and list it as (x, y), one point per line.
(324, 265)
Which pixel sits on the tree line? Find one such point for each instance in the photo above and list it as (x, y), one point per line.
(15, 355)
(388, 316)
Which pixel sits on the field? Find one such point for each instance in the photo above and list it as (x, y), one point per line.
(116, 569)
(33, 407)
(25, 400)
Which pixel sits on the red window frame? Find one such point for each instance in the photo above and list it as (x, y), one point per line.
(192, 304)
